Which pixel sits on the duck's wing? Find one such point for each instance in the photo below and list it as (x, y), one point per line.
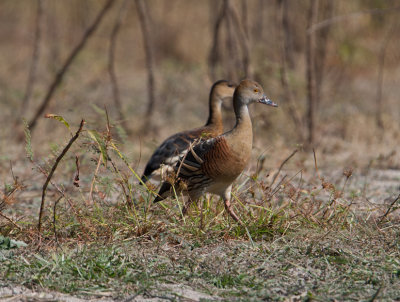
(201, 164)
(168, 152)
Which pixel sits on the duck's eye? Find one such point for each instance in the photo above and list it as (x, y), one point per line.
(256, 90)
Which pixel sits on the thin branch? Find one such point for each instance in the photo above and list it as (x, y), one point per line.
(10, 220)
(111, 64)
(281, 166)
(148, 47)
(60, 74)
(53, 169)
(35, 58)
(61, 191)
(389, 208)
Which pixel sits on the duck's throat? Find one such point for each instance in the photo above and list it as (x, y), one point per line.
(242, 133)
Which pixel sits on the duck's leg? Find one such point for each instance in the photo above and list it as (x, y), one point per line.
(228, 208)
(227, 197)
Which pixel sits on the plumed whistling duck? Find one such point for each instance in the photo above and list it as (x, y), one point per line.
(166, 155)
(212, 165)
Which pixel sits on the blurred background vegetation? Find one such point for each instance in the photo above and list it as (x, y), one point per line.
(339, 59)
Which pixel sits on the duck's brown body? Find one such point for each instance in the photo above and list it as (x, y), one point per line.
(213, 165)
(167, 154)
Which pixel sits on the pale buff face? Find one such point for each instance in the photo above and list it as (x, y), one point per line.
(251, 91)
(224, 91)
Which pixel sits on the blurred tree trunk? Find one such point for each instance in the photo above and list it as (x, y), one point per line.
(111, 65)
(232, 58)
(60, 74)
(35, 58)
(52, 30)
(259, 21)
(286, 50)
(321, 48)
(148, 45)
(310, 71)
(244, 17)
(242, 40)
(237, 62)
(287, 36)
(381, 69)
(213, 56)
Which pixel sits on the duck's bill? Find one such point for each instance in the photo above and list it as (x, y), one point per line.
(266, 101)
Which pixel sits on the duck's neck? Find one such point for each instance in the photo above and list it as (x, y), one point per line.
(242, 133)
(215, 115)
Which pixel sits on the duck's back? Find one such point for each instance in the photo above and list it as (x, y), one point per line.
(169, 151)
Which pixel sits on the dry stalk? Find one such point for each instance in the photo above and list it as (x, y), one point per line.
(54, 217)
(94, 178)
(53, 169)
(62, 192)
(281, 166)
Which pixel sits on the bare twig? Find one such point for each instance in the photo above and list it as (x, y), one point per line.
(281, 166)
(60, 74)
(61, 191)
(148, 46)
(111, 64)
(389, 208)
(10, 220)
(35, 57)
(375, 295)
(53, 169)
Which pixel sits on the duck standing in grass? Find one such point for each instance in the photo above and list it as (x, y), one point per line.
(212, 165)
(167, 154)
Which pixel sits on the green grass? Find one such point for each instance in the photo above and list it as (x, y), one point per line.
(318, 265)
(299, 237)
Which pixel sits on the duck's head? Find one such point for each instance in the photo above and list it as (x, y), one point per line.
(249, 92)
(221, 91)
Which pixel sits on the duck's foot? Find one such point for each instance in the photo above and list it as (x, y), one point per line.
(228, 208)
